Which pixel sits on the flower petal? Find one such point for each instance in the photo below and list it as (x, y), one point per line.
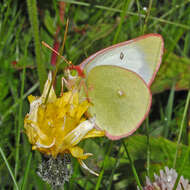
(31, 98)
(39, 145)
(86, 168)
(78, 152)
(52, 95)
(77, 134)
(82, 109)
(94, 133)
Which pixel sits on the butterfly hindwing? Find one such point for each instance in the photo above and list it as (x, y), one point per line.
(120, 99)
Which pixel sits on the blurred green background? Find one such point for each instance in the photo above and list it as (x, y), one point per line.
(94, 25)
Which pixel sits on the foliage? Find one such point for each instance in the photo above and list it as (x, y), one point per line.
(94, 25)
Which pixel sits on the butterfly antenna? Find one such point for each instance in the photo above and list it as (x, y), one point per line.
(65, 34)
(59, 56)
(49, 47)
(62, 47)
(63, 44)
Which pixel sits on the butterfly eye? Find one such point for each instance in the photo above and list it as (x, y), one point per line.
(73, 73)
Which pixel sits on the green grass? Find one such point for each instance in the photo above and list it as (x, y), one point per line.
(162, 140)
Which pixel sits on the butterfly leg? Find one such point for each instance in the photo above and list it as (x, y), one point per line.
(82, 83)
(63, 81)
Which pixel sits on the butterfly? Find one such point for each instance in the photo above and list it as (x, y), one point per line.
(118, 79)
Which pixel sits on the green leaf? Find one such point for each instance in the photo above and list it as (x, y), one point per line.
(173, 68)
(162, 153)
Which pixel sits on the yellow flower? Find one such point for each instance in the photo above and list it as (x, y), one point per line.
(57, 126)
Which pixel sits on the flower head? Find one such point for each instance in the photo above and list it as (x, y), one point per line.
(166, 180)
(55, 125)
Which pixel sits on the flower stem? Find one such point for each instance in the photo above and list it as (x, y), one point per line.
(182, 167)
(181, 127)
(133, 167)
(116, 164)
(20, 117)
(109, 148)
(147, 16)
(9, 168)
(123, 14)
(148, 147)
(26, 173)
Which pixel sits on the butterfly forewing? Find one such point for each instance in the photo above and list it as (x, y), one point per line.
(141, 55)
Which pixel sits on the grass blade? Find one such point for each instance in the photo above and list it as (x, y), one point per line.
(26, 173)
(181, 127)
(33, 15)
(132, 166)
(9, 168)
